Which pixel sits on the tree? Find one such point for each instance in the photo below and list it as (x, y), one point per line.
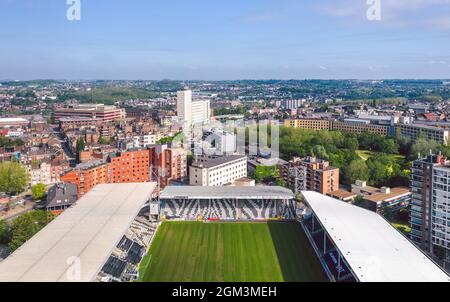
(423, 147)
(5, 232)
(13, 177)
(26, 226)
(81, 145)
(357, 170)
(320, 152)
(104, 140)
(39, 191)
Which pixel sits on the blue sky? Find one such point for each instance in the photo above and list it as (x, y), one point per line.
(218, 39)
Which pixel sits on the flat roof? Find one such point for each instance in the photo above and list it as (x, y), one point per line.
(13, 120)
(216, 162)
(374, 249)
(89, 230)
(394, 193)
(191, 192)
(342, 194)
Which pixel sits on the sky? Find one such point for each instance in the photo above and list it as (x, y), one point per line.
(224, 40)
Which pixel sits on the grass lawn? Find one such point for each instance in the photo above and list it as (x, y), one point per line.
(365, 155)
(230, 252)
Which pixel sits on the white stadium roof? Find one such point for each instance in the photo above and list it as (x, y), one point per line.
(373, 248)
(89, 232)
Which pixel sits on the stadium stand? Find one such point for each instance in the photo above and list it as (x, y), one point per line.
(123, 264)
(354, 244)
(227, 203)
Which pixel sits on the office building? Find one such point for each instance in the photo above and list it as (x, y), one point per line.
(359, 127)
(192, 112)
(311, 124)
(223, 142)
(415, 131)
(90, 111)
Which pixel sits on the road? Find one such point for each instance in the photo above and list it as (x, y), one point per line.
(65, 146)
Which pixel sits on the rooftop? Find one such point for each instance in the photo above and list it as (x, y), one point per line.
(189, 192)
(374, 249)
(214, 162)
(394, 193)
(88, 232)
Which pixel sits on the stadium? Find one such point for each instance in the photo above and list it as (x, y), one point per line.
(121, 233)
(229, 234)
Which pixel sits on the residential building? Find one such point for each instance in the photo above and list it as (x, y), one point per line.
(144, 141)
(167, 164)
(311, 174)
(218, 171)
(129, 166)
(60, 197)
(87, 175)
(292, 104)
(383, 199)
(424, 198)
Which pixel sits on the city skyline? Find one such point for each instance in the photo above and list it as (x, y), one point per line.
(225, 41)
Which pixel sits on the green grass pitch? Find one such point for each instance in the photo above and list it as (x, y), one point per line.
(230, 252)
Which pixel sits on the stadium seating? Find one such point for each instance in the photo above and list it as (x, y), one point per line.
(227, 209)
(122, 266)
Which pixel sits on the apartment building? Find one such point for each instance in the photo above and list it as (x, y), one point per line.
(168, 164)
(87, 176)
(91, 111)
(428, 184)
(415, 131)
(218, 171)
(144, 141)
(130, 166)
(382, 200)
(310, 174)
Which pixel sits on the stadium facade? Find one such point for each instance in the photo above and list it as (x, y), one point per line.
(227, 203)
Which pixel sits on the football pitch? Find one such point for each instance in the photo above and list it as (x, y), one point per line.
(231, 252)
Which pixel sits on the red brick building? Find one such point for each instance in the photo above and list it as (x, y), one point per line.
(131, 166)
(86, 176)
(169, 164)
